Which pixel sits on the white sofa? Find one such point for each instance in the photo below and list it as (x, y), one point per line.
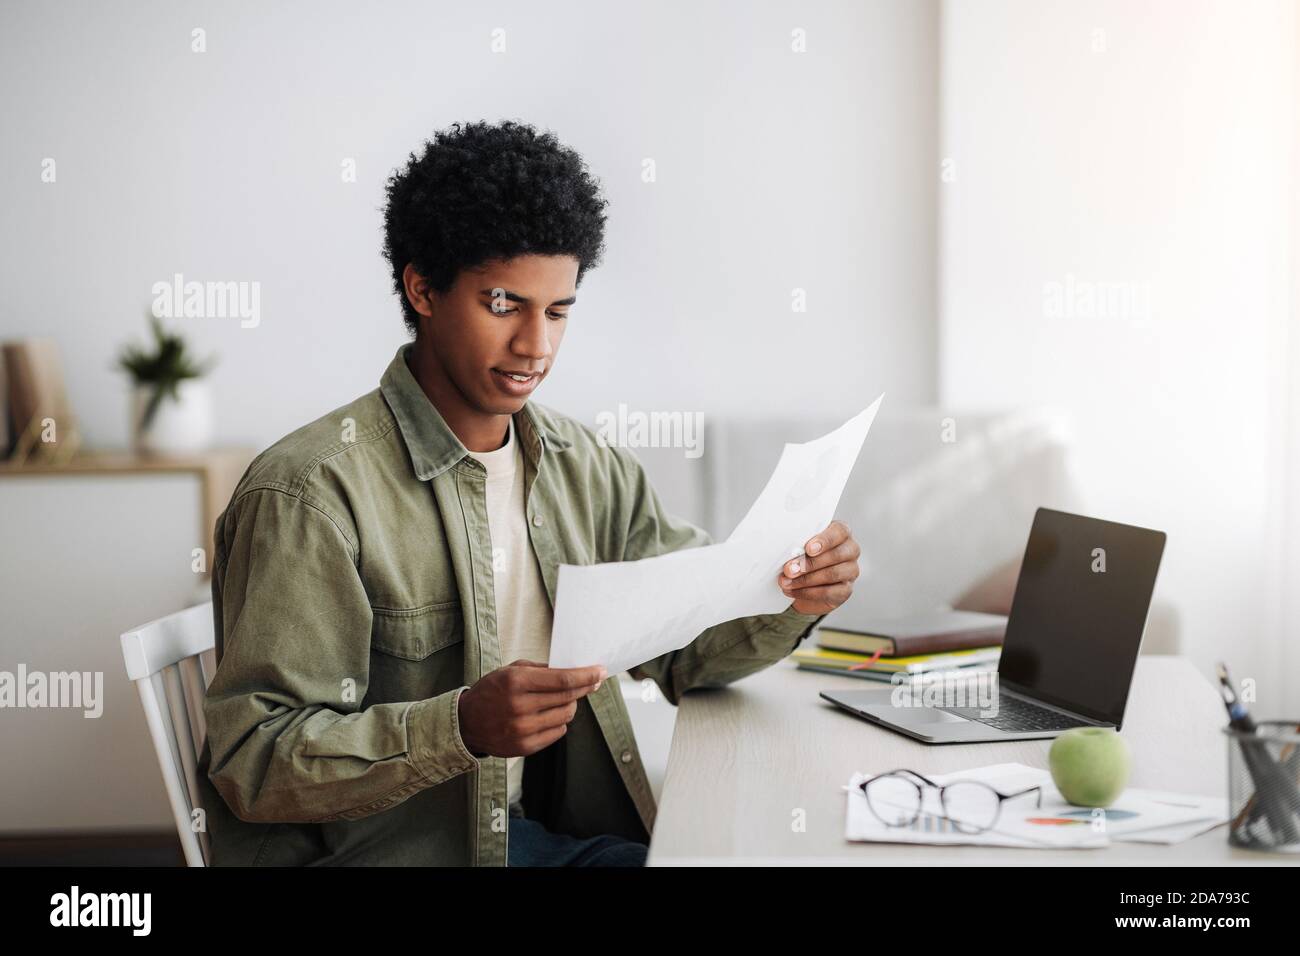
(932, 516)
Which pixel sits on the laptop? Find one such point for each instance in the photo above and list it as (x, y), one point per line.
(1071, 644)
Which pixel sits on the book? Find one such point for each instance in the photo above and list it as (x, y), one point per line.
(35, 392)
(882, 677)
(842, 661)
(918, 634)
(6, 428)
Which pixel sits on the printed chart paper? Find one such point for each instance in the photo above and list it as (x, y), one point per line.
(1138, 816)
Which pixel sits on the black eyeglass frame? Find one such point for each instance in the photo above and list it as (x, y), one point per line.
(920, 798)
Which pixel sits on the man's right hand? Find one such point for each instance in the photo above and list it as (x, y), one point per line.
(523, 707)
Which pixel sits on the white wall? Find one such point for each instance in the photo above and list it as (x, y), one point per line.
(1288, 609)
(1164, 158)
(775, 170)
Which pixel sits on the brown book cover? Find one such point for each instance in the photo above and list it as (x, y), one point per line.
(33, 374)
(6, 425)
(919, 634)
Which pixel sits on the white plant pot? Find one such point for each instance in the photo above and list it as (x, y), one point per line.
(181, 424)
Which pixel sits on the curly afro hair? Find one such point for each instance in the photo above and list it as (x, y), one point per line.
(481, 192)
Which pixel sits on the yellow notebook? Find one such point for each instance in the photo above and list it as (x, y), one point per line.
(918, 664)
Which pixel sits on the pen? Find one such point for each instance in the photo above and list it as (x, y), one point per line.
(1264, 772)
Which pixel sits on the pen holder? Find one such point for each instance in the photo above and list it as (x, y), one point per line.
(1264, 786)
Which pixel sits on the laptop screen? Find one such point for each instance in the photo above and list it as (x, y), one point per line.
(1079, 611)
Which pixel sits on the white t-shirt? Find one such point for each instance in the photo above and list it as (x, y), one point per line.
(523, 609)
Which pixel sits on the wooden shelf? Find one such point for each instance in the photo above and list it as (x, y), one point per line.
(218, 472)
(132, 463)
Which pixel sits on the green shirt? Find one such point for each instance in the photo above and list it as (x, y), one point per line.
(353, 603)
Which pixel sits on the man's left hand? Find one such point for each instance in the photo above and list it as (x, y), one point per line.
(821, 579)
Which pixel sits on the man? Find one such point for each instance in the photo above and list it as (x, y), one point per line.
(384, 577)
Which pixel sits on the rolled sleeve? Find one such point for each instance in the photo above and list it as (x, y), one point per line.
(433, 729)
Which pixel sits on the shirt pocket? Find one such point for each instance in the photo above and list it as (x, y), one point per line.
(416, 654)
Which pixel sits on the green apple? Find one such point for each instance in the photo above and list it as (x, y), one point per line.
(1090, 765)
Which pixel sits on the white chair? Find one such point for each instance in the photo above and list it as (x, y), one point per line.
(165, 658)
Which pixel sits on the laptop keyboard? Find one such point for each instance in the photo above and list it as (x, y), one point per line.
(1018, 716)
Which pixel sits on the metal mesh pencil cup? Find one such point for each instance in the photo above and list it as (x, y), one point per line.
(1264, 786)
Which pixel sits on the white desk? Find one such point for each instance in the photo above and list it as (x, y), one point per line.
(746, 757)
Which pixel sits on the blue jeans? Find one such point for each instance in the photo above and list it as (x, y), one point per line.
(531, 844)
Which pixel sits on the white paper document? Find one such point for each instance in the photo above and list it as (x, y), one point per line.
(625, 613)
(1138, 816)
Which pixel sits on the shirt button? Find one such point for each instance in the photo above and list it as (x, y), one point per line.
(537, 521)
(626, 756)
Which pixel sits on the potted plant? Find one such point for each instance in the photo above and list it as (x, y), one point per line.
(171, 409)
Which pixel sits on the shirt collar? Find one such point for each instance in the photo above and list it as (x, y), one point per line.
(431, 443)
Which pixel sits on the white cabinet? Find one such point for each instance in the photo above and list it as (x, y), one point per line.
(85, 554)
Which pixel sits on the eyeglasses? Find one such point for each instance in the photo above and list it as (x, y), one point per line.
(971, 806)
